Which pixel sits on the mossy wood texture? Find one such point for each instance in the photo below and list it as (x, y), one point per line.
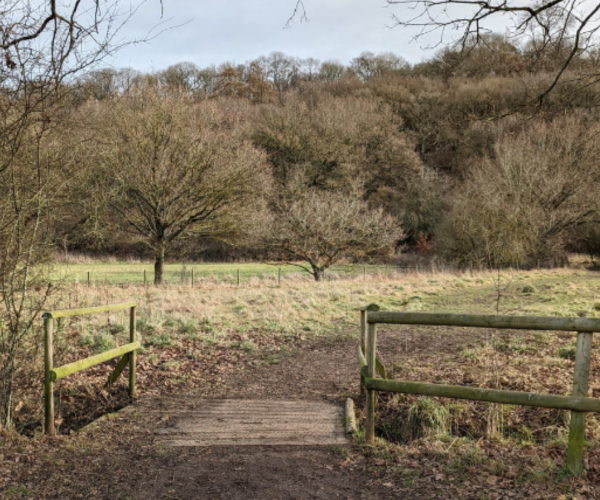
(578, 403)
(123, 362)
(370, 373)
(132, 354)
(82, 364)
(48, 385)
(580, 389)
(88, 310)
(486, 321)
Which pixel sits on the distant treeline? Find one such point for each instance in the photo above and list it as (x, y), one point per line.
(464, 155)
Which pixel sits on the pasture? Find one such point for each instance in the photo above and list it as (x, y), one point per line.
(115, 272)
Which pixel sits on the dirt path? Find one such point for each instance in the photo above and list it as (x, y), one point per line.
(120, 459)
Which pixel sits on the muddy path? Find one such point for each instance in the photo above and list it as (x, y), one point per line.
(118, 459)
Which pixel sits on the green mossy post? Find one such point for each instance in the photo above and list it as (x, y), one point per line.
(132, 321)
(48, 383)
(371, 361)
(363, 329)
(580, 389)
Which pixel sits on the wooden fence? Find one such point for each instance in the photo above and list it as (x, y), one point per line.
(52, 374)
(578, 403)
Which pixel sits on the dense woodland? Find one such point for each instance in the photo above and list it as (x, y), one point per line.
(461, 157)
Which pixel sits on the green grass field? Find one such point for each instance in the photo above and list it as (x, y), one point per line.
(123, 272)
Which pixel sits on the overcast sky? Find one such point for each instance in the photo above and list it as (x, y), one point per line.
(213, 32)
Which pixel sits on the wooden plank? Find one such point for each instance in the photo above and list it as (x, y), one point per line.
(87, 310)
(338, 440)
(48, 381)
(307, 427)
(580, 389)
(82, 364)
(489, 395)
(245, 422)
(486, 321)
(118, 369)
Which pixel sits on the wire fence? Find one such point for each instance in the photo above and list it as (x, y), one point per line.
(195, 276)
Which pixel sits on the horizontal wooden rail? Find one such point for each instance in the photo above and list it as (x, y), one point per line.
(82, 364)
(87, 310)
(486, 321)
(489, 395)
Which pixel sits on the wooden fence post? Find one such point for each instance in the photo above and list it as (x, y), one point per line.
(192, 277)
(132, 353)
(145, 282)
(88, 279)
(580, 389)
(279, 277)
(238, 277)
(371, 359)
(363, 331)
(48, 384)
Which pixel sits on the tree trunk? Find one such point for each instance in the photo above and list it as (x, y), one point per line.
(159, 263)
(318, 273)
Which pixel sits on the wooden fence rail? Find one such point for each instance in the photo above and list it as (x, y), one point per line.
(52, 374)
(578, 403)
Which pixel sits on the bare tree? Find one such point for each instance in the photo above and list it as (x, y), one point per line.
(317, 230)
(177, 167)
(566, 26)
(42, 45)
(525, 202)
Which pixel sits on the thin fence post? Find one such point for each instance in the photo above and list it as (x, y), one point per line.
(580, 389)
(364, 272)
(279, 277)
(132, 353)
(363, 329)
(88, 279)
(48, 384)
(192, 277)
(145, 282)
(238, 277)
(371, 359)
